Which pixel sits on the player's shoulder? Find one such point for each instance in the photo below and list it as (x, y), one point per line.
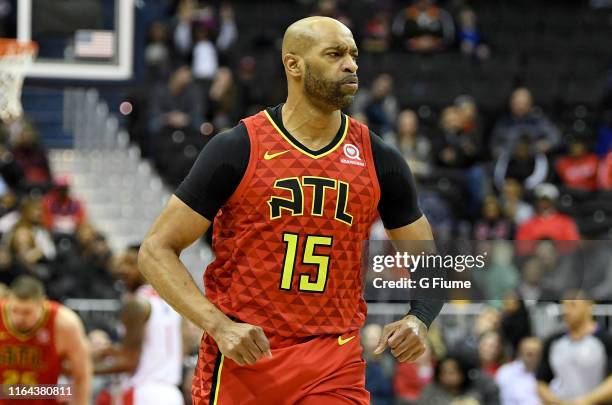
(230, 139)
(66, 319)
(386, 156)
(135, 308)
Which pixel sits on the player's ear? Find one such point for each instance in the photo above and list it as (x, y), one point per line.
(293, 64)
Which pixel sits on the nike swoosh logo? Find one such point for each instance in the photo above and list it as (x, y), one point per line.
(342, 342)
(269, 155)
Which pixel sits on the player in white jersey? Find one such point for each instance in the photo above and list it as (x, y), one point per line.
(150, 352)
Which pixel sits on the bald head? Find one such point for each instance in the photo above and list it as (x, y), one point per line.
(303, 34)
(320, 59)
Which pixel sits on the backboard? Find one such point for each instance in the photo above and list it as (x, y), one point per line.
(79, 39)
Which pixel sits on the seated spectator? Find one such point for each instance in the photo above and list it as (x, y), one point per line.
(493, 224)
(530, 287)
(414, 146)
(379, 367)
(512, 204)
(250, 90)
(9, 211)
(157, 52)
(377, 34)
(516, 380)
(454, 148)
(528, 166)
(223, 96)
(470, 37)
(515, 320)
(424, 27)
(491, 353)
(455, 383)
(182, 32)
(205, 60)
(228, 32)
(62, 213)
(176, 105)
(329, 8)
(30, 242)
(470, 119)
(578, 359)
(11, 173)
(578, 169)
(31, 156)
(604, 177)
(523, 120)
(379, 105)
(548, 223)
(500, 275)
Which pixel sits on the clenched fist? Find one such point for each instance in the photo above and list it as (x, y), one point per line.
(406, 338)
(241, 342)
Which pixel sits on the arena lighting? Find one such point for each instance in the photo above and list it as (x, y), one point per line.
(125, 108)
(207, 129)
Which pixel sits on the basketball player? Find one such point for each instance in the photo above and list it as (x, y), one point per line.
(151, 348)
(36, 337)
(293, 191)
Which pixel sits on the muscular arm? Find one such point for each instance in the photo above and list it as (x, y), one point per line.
(404, 221)
(124, 357)
(187, 216)
(73, 346)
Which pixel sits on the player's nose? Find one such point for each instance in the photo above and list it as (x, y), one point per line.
(349, 64)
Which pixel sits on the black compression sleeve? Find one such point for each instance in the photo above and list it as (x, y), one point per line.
(398, 204)
(426, 309)
(217, 172)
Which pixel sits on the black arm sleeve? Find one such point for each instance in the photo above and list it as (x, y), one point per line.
(426, 309)
(398, 205)
(217, 172)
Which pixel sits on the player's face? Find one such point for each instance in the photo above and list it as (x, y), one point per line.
(24, 314)
(331, 70)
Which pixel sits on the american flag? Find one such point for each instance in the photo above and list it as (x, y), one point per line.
(94, 44)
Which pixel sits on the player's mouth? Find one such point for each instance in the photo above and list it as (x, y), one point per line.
(352, 83)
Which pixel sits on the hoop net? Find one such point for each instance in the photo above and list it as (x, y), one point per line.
(15, 58)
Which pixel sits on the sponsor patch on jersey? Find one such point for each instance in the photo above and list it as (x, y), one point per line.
(353, 156)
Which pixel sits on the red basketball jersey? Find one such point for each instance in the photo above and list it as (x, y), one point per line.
(288, 242)
(30, 357)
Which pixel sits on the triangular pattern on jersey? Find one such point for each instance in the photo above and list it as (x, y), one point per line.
(245, 279)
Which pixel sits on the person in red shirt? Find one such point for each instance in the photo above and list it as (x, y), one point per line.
(36, 337)
(62, 213)
(578, 169)
(604, 176)
(548, 223)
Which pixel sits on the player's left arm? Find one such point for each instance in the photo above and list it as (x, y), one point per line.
(404, 221)
(124, 357)
(72, 344)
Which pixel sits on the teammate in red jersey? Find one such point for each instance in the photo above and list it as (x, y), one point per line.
(36, 337)
(292, 191)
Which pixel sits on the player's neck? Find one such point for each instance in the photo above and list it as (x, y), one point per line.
(314, 127)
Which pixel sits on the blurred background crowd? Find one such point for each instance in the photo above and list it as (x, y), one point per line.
(503, 111)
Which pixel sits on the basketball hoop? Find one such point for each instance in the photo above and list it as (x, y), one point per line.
(15, 58)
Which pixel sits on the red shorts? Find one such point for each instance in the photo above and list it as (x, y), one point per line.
(326, 370)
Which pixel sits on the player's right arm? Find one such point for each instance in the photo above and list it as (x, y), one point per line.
(179, 225)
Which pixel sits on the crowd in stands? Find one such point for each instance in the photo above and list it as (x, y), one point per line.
(44, 231)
